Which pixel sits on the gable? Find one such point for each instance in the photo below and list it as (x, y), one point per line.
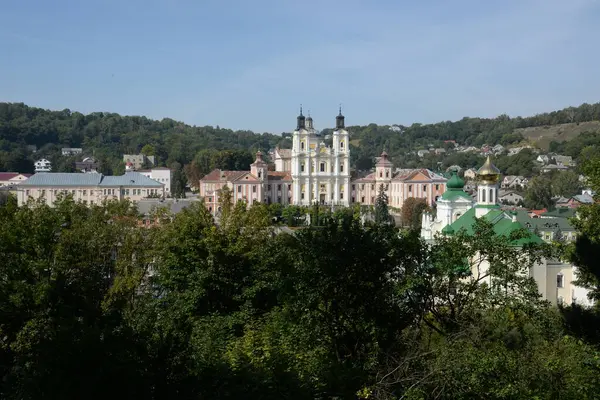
(246, 177)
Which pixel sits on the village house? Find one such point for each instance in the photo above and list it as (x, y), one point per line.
(42, 165)
(509, 197)
(71, 151)
(134, 162)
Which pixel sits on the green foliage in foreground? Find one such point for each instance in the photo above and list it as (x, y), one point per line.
(94, 306)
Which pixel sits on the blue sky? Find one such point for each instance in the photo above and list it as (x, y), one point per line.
(249, 64)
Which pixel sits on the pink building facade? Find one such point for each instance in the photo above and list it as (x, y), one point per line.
(261, 185)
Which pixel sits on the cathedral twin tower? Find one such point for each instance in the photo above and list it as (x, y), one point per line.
(320, 173)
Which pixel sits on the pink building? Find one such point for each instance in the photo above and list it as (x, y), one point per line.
(399, 184)
(258, 184)
(265, 186)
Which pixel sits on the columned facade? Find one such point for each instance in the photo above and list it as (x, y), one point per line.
(320, 173)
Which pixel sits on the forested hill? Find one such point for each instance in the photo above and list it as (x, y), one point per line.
(108, 135)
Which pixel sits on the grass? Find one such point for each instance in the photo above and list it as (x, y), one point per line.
(541, 136)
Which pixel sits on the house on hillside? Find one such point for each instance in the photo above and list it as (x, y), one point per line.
(509, 197)
(470, 173)
(42, 165)
(134, 162)
(553, 167)
(88, 164)
(71, 151)
(543, 159)
(514, 182)
(566, 161)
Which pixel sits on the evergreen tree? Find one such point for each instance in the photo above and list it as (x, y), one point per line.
(382, 213)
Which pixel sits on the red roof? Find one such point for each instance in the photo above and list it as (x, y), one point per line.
(538, 212)
(218, 175)
(6, 176)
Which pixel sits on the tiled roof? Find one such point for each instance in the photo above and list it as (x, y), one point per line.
(285, 153)
(76, 179)
(146, 206)
(5, 176)
(561, 212)
(502, 224)
(218, 175)
(63, 179)
(280, 176)
(130, 179)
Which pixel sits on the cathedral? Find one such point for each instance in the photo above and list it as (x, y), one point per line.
(316, 170)
(320, 173)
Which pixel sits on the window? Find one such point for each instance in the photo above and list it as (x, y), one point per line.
(560, 280)
(342, 144)
(353, 187)
(126, 192)
(279, 187)
(387, 174)
(491, 196)
(437, 187)
(424, 188)
(372, 186)
(409, 188)
(322, 167)
(27, 192)
(239, 188)
(353, 200)
(341, 167)
(84, 192)
(483, 196)
(42, 192)
(302, 196)
(73, 192)
(312, 167)
(279, 199)
(372, 200)
(259, 174)
(302, 167)
(362, 199)
(341, 195)
(209, 199)
(362, 187)
(381, 174)
(289, 187)
(268, 187)
(253, 188)
(302, 145)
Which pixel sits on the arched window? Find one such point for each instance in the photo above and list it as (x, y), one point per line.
(483, 196)
(302, 145)
(491, 195)
(342, 144)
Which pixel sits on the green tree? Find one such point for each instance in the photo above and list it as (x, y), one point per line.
(412, 211)
(382, 213)
(566, 184)
(539, 193)
(148, 150)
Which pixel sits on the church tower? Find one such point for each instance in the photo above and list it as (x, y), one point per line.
(259, 167)
(320, 174)
(488, 177)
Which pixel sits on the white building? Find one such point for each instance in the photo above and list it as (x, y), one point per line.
(161, 175)
(43, 165)
(320, 173)
(456, 212)
(71, 151)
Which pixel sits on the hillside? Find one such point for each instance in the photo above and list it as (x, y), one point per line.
(108, 135)
(542, 136)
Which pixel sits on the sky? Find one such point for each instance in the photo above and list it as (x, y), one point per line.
(246, 64)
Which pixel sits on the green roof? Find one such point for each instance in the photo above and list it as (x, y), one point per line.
(452, 195)
(544, 224)
(562, 212)
(503, 224)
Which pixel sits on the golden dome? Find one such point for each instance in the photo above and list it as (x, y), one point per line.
(488, 171)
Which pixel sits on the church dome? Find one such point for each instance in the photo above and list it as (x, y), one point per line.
(448, 230)
(488, 172)
(455, 182)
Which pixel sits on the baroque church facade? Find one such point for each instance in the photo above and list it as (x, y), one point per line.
(316, 170)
